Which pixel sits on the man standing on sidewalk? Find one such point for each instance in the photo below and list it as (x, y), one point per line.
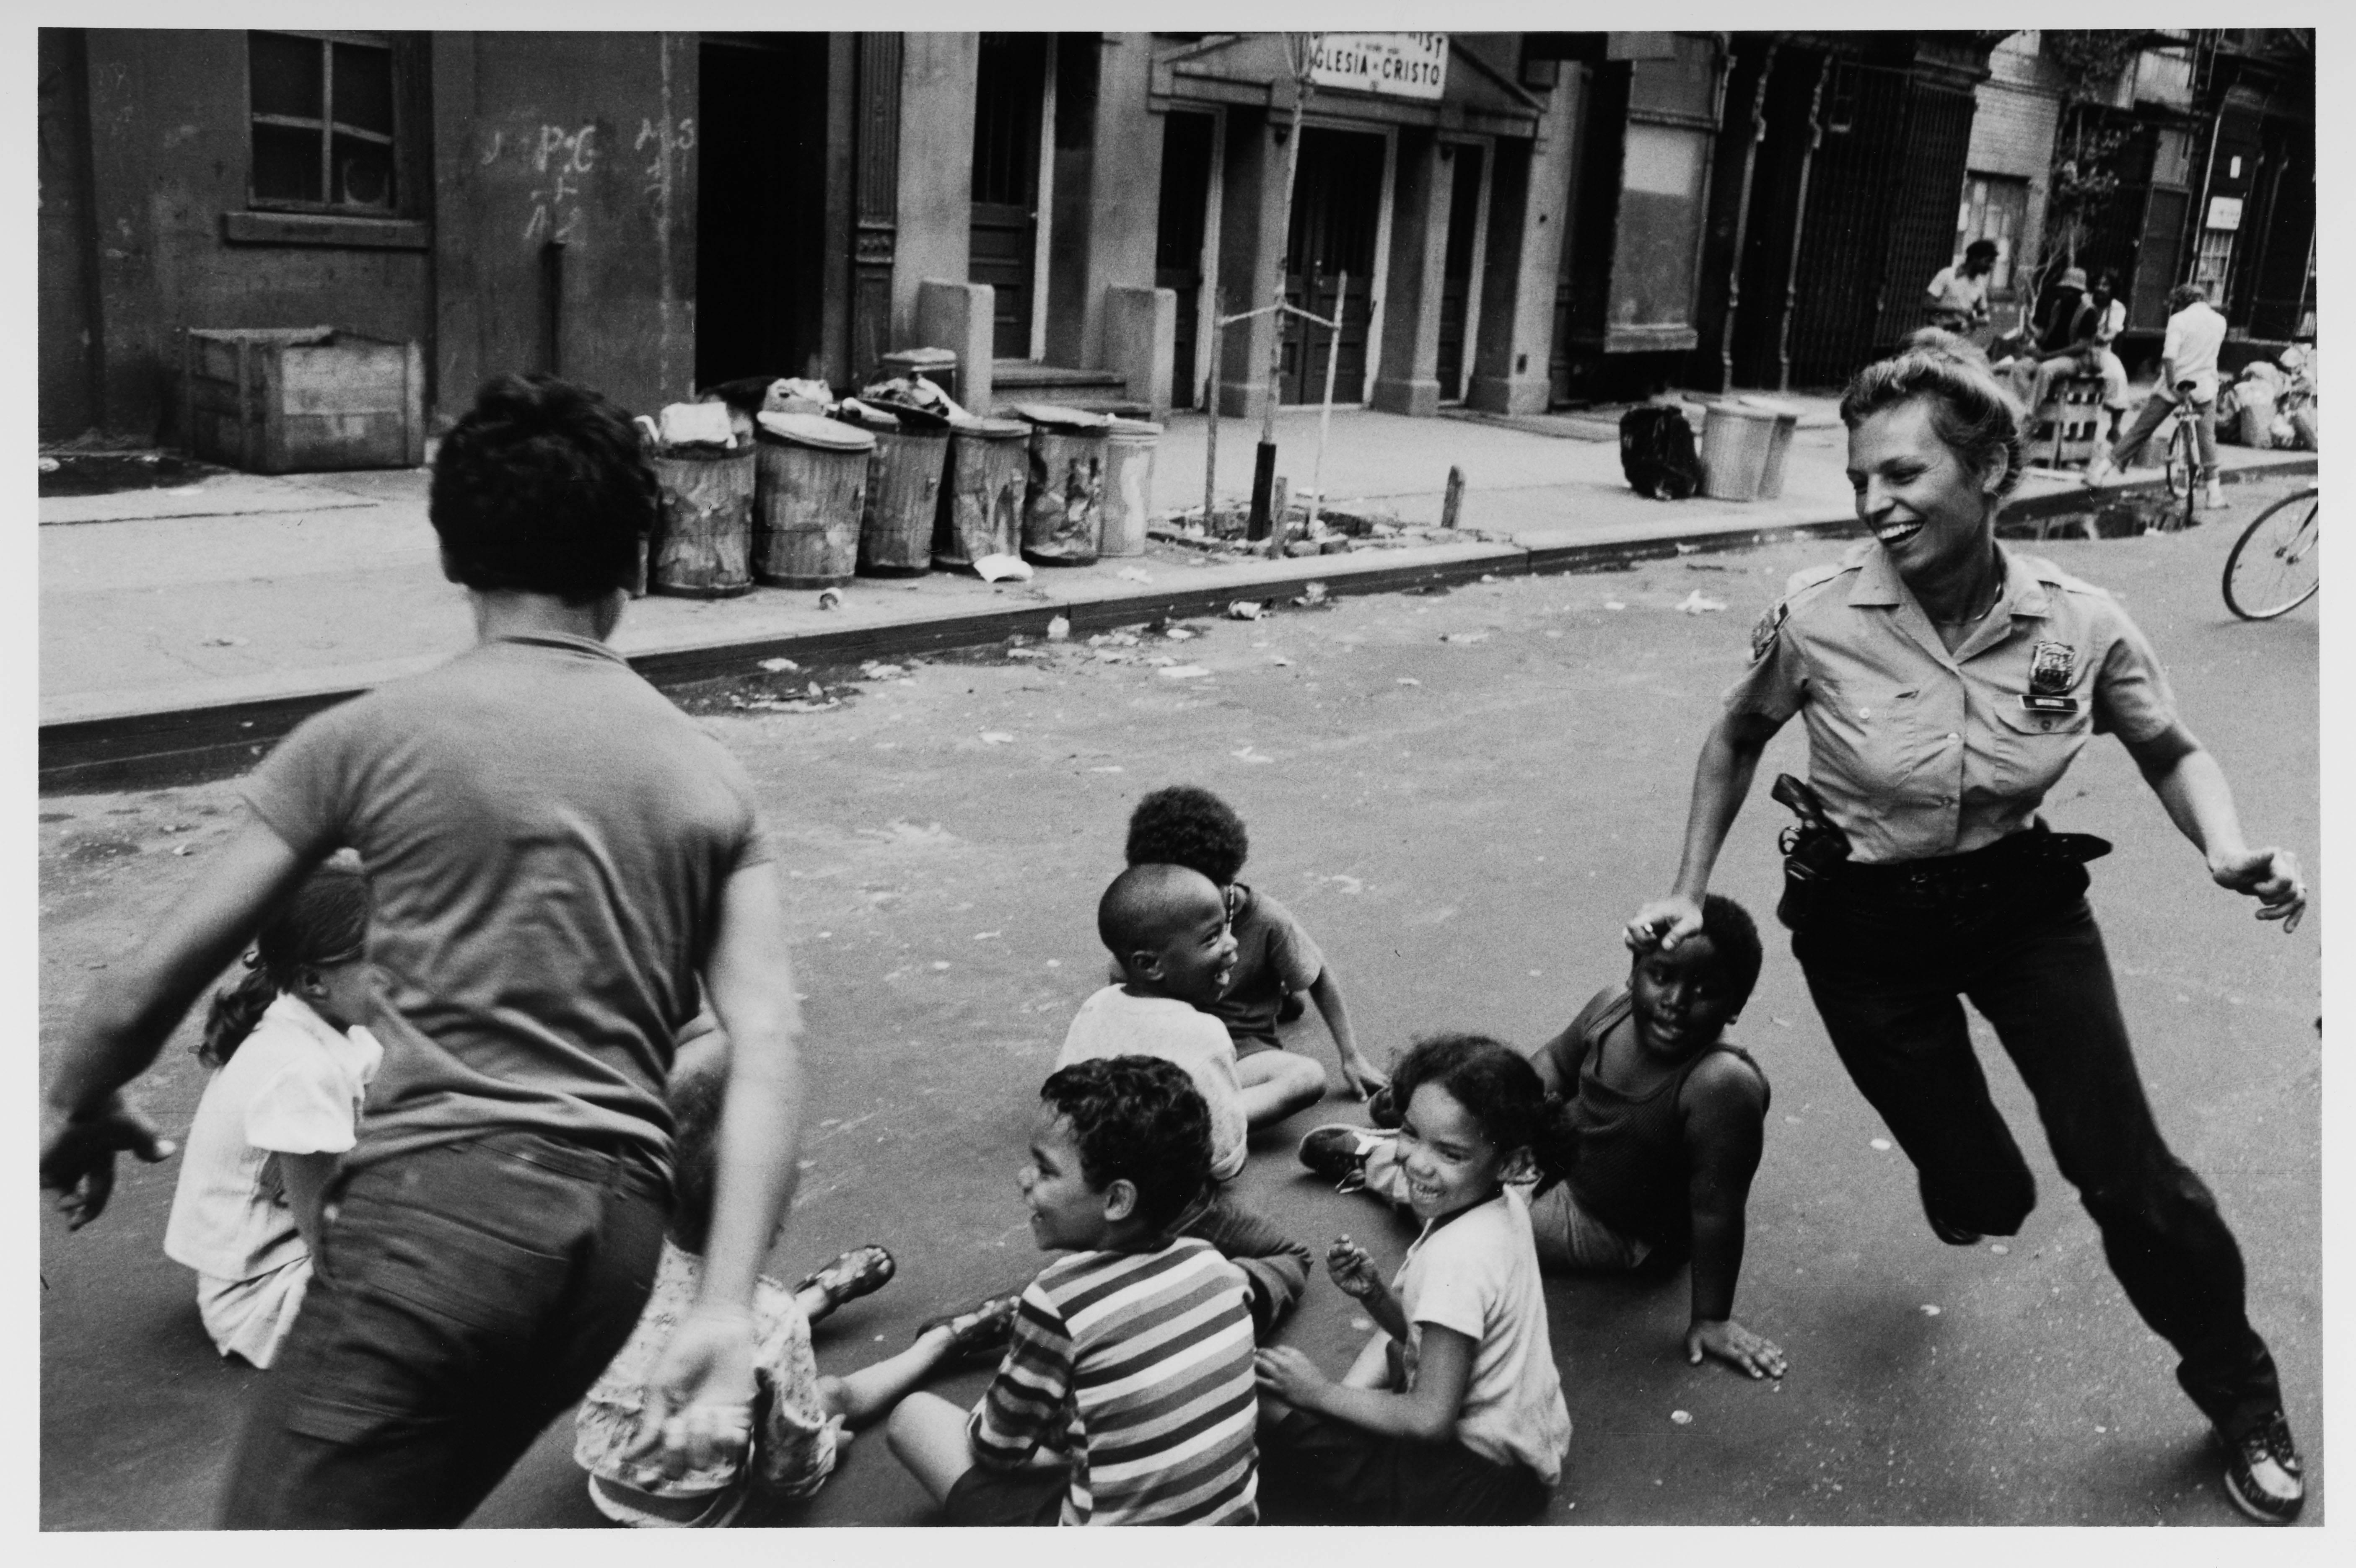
(562, 863)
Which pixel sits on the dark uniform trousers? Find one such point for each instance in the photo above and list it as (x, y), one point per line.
(464, 1296)
(1886, 960)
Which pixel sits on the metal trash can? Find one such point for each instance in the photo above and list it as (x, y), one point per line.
(812, 491)
(1128, 485)
(981, 499)
(938, 365)
(1063, 508)
(903, 492)
(1778, 445)
(702, 547)
(1735, 441)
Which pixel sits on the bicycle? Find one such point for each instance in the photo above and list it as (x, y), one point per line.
(2275, 565)
(2182, 463)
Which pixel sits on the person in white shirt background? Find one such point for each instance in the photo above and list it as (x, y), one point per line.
(2187, 372)
(290, 1067)
(1957, 295)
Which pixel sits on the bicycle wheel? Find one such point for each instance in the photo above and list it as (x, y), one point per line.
(2180, 463)
(2277, 564)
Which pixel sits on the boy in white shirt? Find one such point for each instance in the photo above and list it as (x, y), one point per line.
(1167, 928)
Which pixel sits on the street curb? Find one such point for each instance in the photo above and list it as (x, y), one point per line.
(200, 742)
(194, 744)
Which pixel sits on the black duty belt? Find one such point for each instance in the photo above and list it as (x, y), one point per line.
(2005, 863)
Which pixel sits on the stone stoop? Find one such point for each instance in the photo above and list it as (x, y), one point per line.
(1016, 381)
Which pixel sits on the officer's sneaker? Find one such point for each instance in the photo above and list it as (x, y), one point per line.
(2262, 1475)
(1338, 1153)
(2212, 498)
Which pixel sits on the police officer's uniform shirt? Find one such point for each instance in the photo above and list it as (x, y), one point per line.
(1917, 751)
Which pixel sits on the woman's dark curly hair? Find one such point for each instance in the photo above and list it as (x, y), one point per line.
(1186, 825)
(1139, 1119)
(1500, 1091)
(322, 923)
(543, 488)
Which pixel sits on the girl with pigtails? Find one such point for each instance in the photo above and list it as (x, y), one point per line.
(291, 1066)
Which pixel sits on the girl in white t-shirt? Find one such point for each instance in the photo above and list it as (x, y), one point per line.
(292, 1067)
(1453, 1413)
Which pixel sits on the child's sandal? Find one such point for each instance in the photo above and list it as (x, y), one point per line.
(862, 1271)
(977, 1332)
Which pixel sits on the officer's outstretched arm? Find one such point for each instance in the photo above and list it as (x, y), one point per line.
(2200, 802)
(1722, 775)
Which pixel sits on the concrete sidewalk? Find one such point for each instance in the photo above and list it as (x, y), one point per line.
(177, 646)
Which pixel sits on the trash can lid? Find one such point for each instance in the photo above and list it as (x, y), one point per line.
(816, 430)
(987, 429)
(1056, 416)
(1782, 410)
(921, 357)
(866, 415)
(913, 419)
(1121, 426)
(1728, 409)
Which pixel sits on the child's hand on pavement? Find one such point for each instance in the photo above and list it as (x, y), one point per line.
(1286, 1373)
(1738, 1346)
(1353, 1268)
(1362, 1075)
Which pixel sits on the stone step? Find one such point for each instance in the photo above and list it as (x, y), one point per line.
(1028, 381)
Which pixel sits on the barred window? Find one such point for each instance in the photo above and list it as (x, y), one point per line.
(323, 121)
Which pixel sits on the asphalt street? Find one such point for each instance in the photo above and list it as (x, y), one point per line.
(1462, 795)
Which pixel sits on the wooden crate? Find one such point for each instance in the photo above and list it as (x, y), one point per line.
(302, 400)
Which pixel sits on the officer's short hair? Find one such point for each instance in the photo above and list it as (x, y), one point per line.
(1975, 416)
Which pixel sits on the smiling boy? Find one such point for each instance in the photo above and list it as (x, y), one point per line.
(1167, 928)
(1127, 1395)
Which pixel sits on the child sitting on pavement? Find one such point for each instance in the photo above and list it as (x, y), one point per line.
(1669, 1120)
(1453, 1412)
(802, 1416)
(291, 1066)
(1167, 929)
(1131, 1363)
(1274, 958)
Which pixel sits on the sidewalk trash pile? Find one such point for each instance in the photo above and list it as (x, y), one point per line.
(2272, 405)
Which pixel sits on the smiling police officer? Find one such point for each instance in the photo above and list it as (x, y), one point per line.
(1947, 685)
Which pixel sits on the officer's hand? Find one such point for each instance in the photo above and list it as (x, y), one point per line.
(77, 1154)
(2268, 875)
(1663, 923)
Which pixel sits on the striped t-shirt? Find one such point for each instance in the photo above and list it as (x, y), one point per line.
(1137, 1367)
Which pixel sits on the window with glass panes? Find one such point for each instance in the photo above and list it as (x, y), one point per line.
(323, 121)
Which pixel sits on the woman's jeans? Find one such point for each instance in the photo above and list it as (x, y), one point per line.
(1886, 963)
(464, 1295)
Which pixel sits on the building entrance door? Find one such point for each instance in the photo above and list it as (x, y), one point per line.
(1178, 246)
(1456, 268)
(1009, 84)
(1337, 208)
(760, 226)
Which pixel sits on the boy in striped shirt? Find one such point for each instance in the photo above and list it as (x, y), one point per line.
(1127, 1395)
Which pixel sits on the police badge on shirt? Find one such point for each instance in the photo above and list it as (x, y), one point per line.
(2052, 670)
